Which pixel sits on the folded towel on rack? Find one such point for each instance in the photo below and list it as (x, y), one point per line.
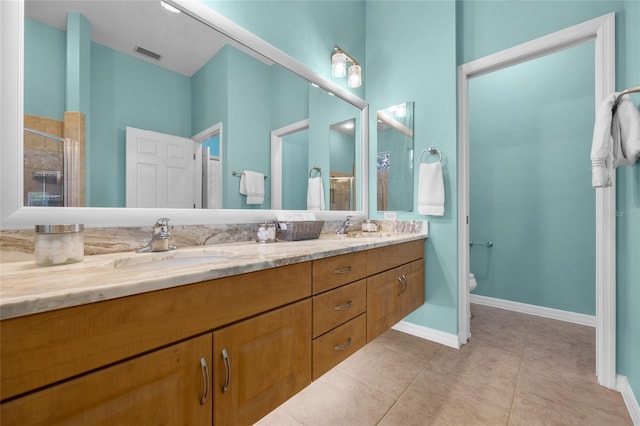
(315, 194)
(252, 185)
(616, 138)
(430, 189)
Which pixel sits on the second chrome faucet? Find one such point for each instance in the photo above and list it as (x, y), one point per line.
(159, 238)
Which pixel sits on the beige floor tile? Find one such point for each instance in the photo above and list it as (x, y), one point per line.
(458, 400)
(484, 364)
(383, 368)
(547, 400)
(403, 415)
(338, 399)
(421, 349)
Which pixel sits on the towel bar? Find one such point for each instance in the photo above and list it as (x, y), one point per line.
(488, 244)
(236, 174)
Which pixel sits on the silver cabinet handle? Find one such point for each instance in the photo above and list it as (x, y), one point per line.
(400, 286)
(344, 346)
(342, 270)
(227, 370)
(205, 380)
(343, 307)
(403, 284)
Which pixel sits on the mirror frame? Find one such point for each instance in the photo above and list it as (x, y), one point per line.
(15, 216)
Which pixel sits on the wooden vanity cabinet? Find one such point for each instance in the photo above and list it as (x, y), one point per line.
(393, 294)
(260, 363)
(168, 386)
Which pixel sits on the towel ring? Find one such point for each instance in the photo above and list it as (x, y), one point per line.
(431, 151)
(316, 168)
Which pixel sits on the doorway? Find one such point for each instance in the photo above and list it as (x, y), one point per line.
(601, 32)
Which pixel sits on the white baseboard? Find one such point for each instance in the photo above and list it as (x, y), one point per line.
(557, 314)
(426, 333)
(622, 385)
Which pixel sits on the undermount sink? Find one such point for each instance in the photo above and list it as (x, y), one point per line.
(175, 258)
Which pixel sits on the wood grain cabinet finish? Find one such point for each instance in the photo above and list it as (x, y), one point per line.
(260, 363)
(392, 295)
(225, 351)
(332, 272)
(167, 386)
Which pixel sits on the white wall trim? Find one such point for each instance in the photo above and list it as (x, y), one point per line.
(622, 385)
(602, 30)
(540, 311)
(426, 333)
(276, 159)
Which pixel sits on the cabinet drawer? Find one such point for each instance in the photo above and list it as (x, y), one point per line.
(334, 271)
(384, 258)
(334, 347)
(334, 307)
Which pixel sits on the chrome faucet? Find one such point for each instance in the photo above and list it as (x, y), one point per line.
(159, 238)
(345, 225)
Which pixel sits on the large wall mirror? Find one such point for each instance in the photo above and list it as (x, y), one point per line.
(174, 132)
(394, 165)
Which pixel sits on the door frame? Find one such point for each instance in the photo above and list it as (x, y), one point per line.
(276, 159)
(200, 138)
(602, 31)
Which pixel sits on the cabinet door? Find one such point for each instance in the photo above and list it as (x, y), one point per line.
(383, 302)
(392, 295)
(413, 295)
(260, 363)
(168, 386)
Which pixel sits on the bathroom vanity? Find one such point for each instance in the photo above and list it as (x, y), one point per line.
(222, 343)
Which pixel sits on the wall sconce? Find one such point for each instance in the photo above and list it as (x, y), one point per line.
(339, 60)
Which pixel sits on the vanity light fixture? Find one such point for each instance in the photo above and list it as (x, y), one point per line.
(169, 7)
(339, 60)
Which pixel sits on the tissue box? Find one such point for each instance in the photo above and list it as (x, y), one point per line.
(299, 230)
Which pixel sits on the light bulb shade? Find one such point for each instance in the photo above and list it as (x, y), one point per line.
(355, 76)
(339, 64)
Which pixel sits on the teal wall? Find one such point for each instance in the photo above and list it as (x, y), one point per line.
(45, 51)
(129, 92)
(295, 154)
(530, 130)
(341, 157)
(247, 144)
(306, 30)
(414, 59)
(628, 210)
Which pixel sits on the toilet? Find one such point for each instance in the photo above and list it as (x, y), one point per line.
(472, 282)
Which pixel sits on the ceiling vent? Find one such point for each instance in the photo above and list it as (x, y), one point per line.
(148, 53)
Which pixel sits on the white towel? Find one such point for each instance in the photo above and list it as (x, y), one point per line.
(431, 189)
(616, 138)
(252, 185)
(315, 194)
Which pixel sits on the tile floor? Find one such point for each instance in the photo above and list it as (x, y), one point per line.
(517, 369)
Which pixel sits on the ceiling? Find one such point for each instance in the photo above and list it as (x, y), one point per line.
(185, 44)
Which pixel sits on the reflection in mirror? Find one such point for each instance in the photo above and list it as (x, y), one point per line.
(342, 141)
(143, 100)
(395, 158)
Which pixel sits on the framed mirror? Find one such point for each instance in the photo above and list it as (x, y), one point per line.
(184, 113)
(394, 158)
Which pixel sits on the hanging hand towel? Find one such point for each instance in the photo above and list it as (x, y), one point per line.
(315, 194)
(431, 189)
(616, 138)
(252, 185)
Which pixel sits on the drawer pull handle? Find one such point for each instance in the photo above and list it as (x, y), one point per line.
(344, 346)
(205, 379)
(344, 307)
(342, 270)
(227, 370)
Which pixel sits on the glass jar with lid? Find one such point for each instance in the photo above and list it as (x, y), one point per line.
(58, 244)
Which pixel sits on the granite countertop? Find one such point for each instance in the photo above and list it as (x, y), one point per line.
(26, 289)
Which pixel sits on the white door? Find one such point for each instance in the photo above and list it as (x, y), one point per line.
(161, 170)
